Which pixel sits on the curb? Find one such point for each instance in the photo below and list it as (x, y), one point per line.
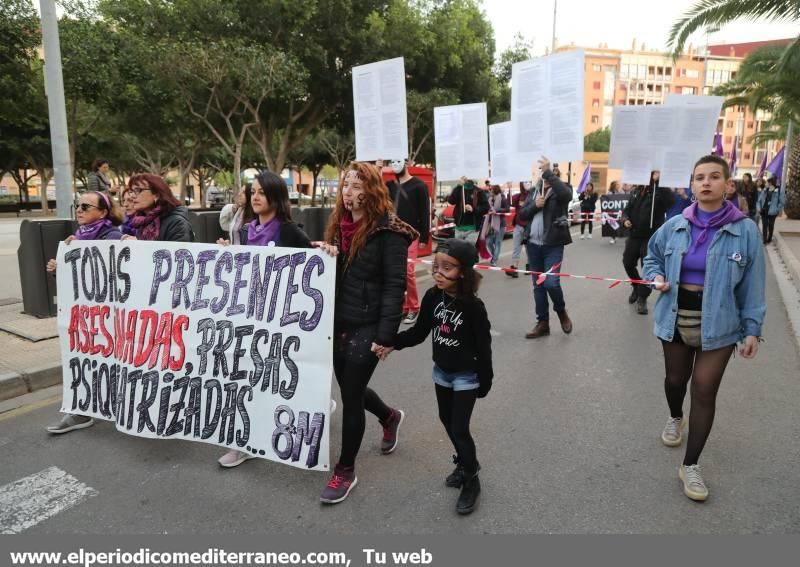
(13, 384)
(787, 273)
(791, 261)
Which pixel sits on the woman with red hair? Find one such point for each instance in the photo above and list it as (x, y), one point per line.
(372, 247)
(159, 215)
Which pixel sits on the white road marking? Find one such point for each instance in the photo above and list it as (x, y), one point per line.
(35, 498)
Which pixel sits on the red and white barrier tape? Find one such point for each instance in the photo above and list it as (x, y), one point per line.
(618, 214)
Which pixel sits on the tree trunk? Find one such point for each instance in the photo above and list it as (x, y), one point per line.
(45, 175)
(237, 169)
(792, 181)
(315, 173)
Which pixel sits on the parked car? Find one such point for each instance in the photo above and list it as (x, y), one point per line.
(216, 198)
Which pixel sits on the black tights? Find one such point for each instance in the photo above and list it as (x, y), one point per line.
(455, 411)
(354, 364)
(705, 368)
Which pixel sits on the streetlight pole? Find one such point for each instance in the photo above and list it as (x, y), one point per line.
(555, 16)
(54, 88)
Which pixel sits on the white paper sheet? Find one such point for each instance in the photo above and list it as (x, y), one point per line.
(547, 107)
(379, 101)
(462, 141)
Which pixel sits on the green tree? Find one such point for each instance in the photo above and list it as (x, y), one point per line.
(598, 141)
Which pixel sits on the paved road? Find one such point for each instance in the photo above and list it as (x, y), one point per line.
(568, 439)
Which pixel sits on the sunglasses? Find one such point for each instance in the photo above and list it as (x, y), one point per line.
(86, 206)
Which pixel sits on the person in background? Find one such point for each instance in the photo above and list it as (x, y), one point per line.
(496, 221)
(159, 215)
(98, 218)
(471, 205)
(235, 216)
(588, 201)
(683, 198)
(518, 201)
(412, 203)
(761, 186)
(546, 235)
(98, 178)
(733, 195)
(129, 210)
(613, 189)
(751, 195)
(770, 204)
(644, 215)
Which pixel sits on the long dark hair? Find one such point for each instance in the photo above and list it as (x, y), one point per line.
(247, 211)
(277, 194)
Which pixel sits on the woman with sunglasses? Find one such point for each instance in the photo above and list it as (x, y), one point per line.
(272, 226)
(98, 219)
(159, 215)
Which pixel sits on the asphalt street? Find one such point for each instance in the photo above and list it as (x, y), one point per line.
(568, 438)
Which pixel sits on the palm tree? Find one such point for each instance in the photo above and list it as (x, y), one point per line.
(767, 81)
(715, 13)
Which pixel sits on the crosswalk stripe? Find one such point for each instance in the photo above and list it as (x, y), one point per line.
(35, 498)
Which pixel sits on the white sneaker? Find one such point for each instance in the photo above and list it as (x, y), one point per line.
(582, 237)
(70, 423)
(410, 319)
(693, 485)
(671, 436)
(590, 236)
(234, 458)
(612, 241)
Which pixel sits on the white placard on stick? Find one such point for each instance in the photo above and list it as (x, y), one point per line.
(379, 101)
(223, 345)
(462, 141)
(547, 107)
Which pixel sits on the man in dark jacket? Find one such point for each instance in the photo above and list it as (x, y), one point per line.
(643, 215)
(546, 234)
(412, 204)
(471, 205)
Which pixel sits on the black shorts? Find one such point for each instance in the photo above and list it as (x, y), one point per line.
(690, 300)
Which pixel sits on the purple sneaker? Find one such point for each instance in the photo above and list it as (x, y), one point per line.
(390, 431)
(339, 486)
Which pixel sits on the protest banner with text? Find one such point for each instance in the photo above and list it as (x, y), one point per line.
(223, 345)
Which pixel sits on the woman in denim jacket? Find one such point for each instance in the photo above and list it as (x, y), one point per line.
(708, 264)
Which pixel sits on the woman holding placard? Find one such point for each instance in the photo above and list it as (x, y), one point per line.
(372, 247)
(708, 264)
(272, 226)
(159, 215)
(98, 218)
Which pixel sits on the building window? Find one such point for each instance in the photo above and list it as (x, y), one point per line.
(623, 71)
(610, 68)
(596, 85)
(595, 119)
(692, 73)
(747, 156)
(749, 125)
(688, 90)
(728, 139)
(595, 103)
(596, 68)
(621, 102)
(729, 124)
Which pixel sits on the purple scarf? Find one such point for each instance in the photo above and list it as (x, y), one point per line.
(726, 214)
(147, 225)
(262, 234)
(92, 230)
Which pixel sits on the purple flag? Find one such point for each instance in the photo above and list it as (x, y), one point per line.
(718, 151)
(775, 167)
(587, 175)
(763, 165)
(733, 159)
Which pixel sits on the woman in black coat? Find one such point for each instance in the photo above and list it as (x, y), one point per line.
(159, 215)
(272, 226)
(372, 247)
(588, 201)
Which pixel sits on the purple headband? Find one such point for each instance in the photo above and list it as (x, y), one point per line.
(105, 198)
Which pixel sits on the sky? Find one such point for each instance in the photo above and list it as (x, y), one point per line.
(615, 22)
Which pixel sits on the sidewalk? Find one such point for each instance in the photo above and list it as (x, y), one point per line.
(29, 361)
(785, 259)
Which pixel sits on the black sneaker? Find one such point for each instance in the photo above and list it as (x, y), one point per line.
(468, 499)
(390, 431)
(641, 306)
(342, 481)
(633, 296)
